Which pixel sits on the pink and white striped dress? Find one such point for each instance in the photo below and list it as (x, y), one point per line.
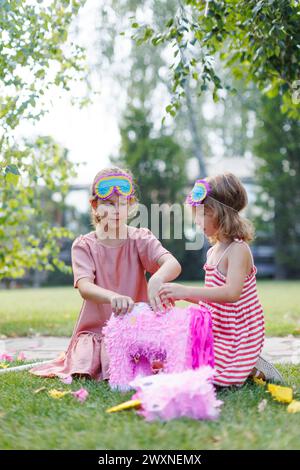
(238, 327)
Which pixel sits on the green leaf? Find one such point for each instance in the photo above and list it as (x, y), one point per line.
(12, 169)
(12, 178)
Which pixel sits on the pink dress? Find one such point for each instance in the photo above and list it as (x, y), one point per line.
(238, 327)
(120, 269)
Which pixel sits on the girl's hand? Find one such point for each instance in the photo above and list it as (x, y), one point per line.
(172, 291)
(121, 304)
(154, 285)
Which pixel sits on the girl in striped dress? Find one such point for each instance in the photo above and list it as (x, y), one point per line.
(230, 290)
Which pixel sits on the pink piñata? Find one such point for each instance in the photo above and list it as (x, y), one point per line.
(189, 394)
(142, 342)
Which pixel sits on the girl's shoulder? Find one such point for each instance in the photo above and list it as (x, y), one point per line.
(239, 247)
(240, 250)
(148, 246)
(140, 236)
(85, 239)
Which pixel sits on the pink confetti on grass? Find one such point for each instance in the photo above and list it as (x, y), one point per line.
(67, 380)
(81, 394)
(6, 357)
(21, 356)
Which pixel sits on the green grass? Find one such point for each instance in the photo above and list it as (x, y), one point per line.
(53, 311)
(36, 421)
(49, 311)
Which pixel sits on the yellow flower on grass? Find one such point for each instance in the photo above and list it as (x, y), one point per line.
(3, 365)
(281, 394)
(53, 393)
(294, 407)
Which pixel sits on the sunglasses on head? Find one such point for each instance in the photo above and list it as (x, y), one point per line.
(120, 184)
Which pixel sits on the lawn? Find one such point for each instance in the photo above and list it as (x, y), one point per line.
(53, 311)
(36, 421)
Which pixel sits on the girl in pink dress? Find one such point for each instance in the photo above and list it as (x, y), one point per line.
(109, 266)
(230, 284)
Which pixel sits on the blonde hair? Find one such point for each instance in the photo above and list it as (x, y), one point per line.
(132, 200)
(232, 197)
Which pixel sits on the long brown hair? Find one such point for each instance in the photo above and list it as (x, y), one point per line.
(232, 196)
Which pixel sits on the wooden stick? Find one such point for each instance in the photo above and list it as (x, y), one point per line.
(24, 367)
(126, 405)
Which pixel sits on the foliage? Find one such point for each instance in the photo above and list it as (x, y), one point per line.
(258, 41)
(28, 239)
(35, 57)
(277, 144)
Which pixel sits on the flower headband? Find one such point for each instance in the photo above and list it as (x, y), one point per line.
(200, 191)
(118, 183)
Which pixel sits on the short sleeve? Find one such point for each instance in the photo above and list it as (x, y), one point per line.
(83, 264)
(150, 250)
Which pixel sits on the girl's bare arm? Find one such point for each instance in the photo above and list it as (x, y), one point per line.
(89, 291)
(169, 269)
(238, 267)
